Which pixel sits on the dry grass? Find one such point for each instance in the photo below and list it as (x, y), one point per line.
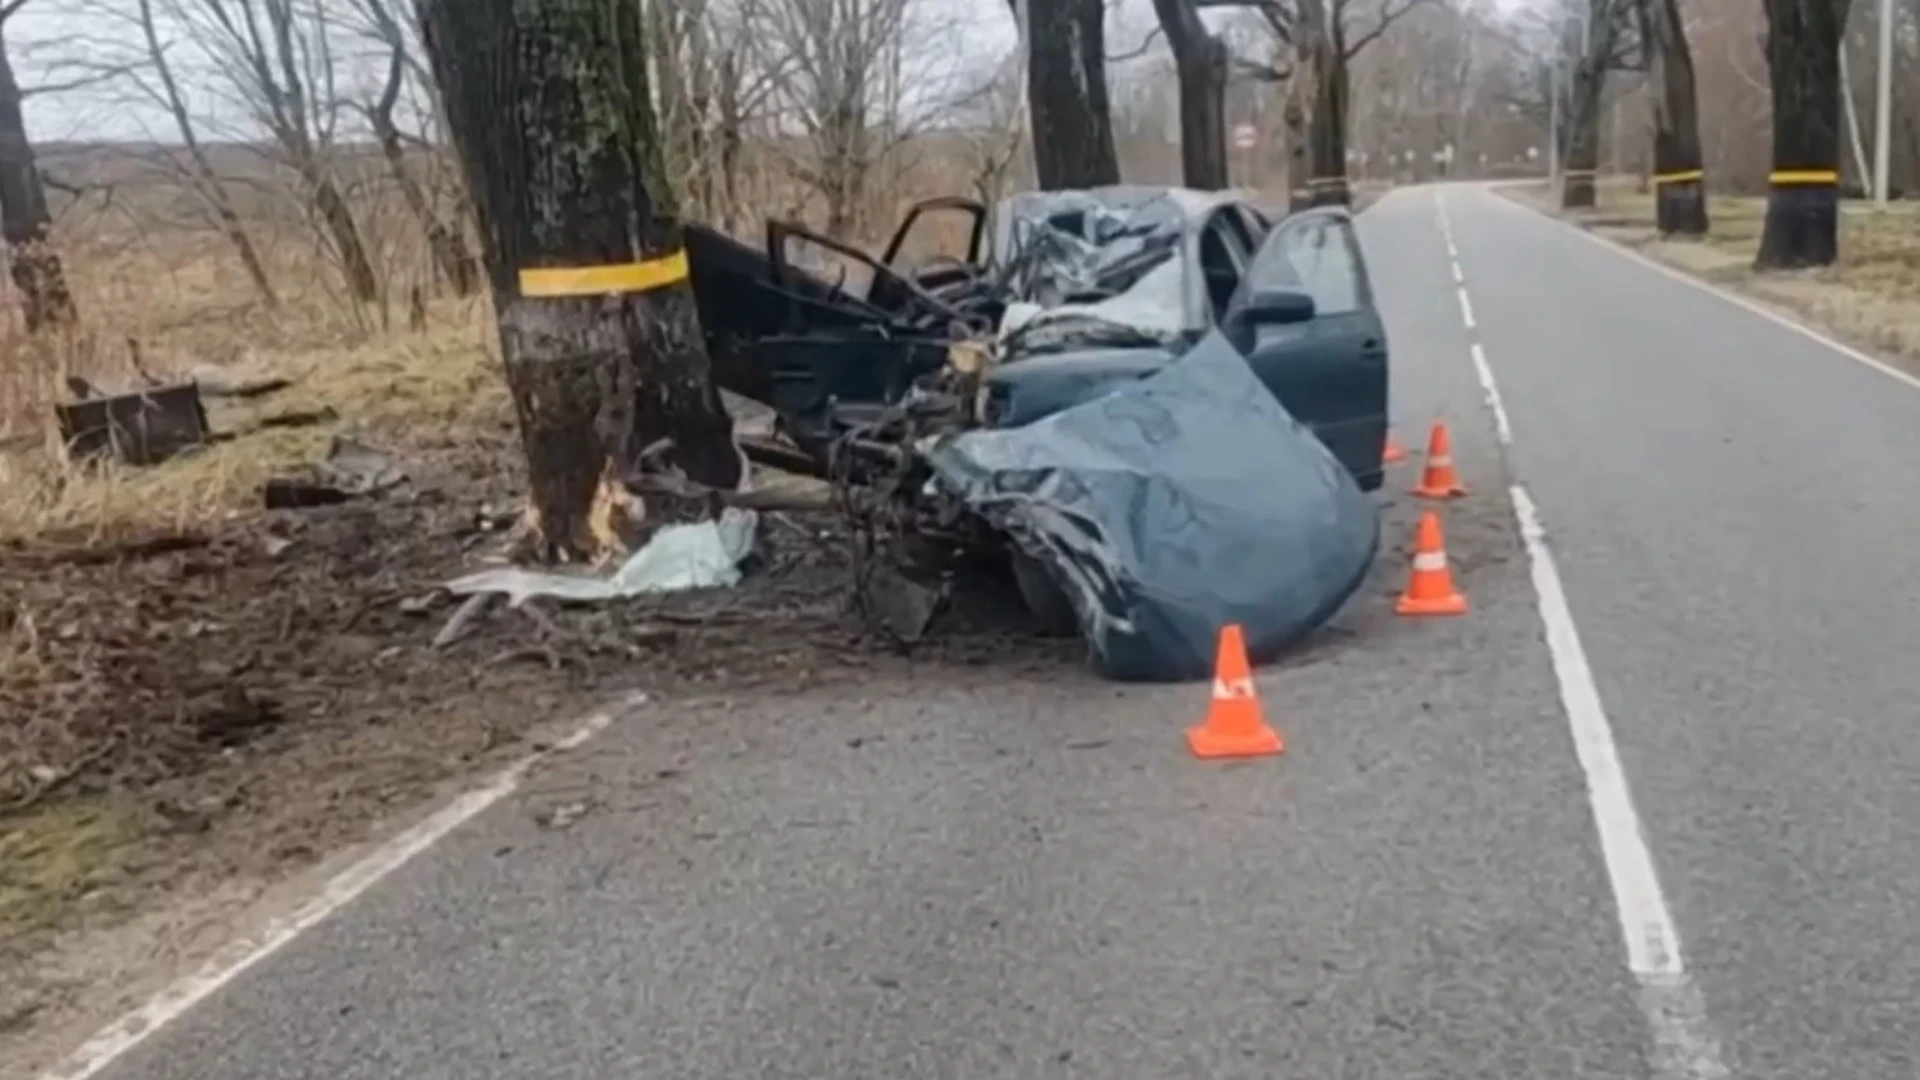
(181, 298)
(1871, 297)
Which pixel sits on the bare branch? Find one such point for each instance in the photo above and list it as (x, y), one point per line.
(1145, 46)
(1389, 14)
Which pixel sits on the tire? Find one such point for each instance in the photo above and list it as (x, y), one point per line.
(1052, 612)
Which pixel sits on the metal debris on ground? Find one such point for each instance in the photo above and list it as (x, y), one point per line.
(351, 470)
(699, 555)
(142, 427)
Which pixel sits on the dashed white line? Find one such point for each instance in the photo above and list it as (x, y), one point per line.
(1501, 428)
(111, 1044)
(1683, 1046)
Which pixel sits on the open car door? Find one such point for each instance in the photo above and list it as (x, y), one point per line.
(1329, 371)
(937, 246)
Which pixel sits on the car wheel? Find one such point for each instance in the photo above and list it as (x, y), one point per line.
(1052, 612)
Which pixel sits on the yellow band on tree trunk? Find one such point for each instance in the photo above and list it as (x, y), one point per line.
(633, 277)
(1680, 177)
(1803, 176)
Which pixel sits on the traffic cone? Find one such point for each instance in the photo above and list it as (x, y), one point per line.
(1234, 726)
(1394, 453)
(1439, 480)
(1431, 591)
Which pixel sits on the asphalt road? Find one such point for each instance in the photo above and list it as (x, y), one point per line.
(962, 876)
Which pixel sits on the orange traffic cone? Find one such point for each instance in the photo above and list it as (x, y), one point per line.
(1234, 726)
(1394, 453)
(1439, 480)
(1431, 591)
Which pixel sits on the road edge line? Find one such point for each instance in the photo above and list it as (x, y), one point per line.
(113, 1042)
(1746, 303)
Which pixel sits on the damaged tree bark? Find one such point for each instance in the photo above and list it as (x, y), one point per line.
(1067, 95)
(1803, 203)
(549, 106)
(1680, 201)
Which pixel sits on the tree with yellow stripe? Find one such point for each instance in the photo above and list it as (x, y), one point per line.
(549, 108)
(1803, 199)
(1680, 186)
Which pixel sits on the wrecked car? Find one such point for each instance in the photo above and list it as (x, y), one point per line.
(1081, 371)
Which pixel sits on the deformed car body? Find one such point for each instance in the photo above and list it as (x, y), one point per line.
(1120, 281)
(1081, 297)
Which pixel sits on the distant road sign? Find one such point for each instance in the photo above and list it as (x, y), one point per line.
(1244, 136)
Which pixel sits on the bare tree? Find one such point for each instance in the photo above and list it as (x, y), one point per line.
(553, 117)
(1681, 188)
(25, 221)
(1803, 203)
(279, 61)
(1320, 38)
(155, 80)
(1067, 94)
(841, 88)
(994, 134)
(1200, 64)
(446, 242)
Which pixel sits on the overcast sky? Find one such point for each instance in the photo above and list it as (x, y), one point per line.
(48, 37)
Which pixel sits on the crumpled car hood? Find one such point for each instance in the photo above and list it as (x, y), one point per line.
(1171, 506)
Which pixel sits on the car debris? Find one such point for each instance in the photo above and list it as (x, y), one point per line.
(140, 427)
(1171, 507)
(697, 555)
(1072, 396)
(351, 470)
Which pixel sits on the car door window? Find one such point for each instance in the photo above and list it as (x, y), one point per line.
(1222, 265)
(943, 230)
(1322, 253)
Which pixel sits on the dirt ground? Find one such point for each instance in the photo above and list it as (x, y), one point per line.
(194, 715)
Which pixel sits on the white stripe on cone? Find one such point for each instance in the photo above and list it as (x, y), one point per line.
(1224, 689)
(1427, 562)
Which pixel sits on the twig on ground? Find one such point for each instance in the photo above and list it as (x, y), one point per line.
(111, 553)
(474, 607)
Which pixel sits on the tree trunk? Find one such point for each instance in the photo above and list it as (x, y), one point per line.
(1067, 95)
(1680, 199)
(1803, 202)
(25, 221)
(1200, 66)
(1327, 127)
(549, 106)
(1580, 159)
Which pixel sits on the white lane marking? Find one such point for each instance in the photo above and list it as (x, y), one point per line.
(1501, 427)
(1652, 942)
(1683, 1044)
(1458, 277)
(1752, 307)
(1466, 307)
(235, 959)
